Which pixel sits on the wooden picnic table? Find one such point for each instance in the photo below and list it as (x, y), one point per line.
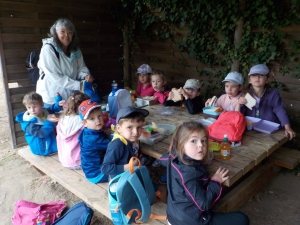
(256, 146)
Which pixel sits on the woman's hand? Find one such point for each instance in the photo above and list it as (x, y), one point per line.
(89, 78)
(220, 175)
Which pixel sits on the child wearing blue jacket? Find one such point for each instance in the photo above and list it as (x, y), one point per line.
(39, 123)
(93, 141)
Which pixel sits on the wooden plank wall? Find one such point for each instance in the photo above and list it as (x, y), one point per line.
(23, 25)
(178, 67)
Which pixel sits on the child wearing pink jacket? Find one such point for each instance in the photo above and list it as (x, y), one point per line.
(68, 129)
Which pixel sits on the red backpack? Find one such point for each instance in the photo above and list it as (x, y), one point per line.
(232, 123)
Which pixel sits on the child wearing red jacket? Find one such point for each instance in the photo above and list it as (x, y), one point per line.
(159, 82)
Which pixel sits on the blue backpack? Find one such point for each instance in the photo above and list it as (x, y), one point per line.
(133, 196)
(117, 100)
(78, 214)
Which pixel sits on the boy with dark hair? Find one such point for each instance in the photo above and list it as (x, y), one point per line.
(93, 141)
(39, 123)
(123, 146)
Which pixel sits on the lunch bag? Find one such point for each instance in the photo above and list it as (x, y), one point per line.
(78, 214)
(117, 100)
(31, 64)
(30, 213)
(232, 123)
(91, 90)
(131, 195)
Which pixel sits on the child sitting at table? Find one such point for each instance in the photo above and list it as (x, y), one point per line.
(269, 105)
(123, 146)
(191, 192)
(68, 130)
(233, 87)
(144, 85)
(39, 123)
(192, 99)
(159, 82)
(93, 141)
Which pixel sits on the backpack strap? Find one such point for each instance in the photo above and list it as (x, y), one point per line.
(57, 56)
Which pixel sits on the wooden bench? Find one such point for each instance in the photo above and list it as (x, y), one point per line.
(94, 195)
(285, 157)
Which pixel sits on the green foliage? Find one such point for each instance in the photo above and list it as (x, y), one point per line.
(210, 27)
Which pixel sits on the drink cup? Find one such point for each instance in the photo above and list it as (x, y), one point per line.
(249, 125)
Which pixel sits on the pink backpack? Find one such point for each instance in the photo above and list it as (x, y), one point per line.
(232, 123)
(30, 213)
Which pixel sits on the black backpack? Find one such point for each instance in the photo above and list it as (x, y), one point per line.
(31, 64)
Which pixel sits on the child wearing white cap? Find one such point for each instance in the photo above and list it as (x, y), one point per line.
(269, 105)
(233, 86)
(144, 87)
(191, 94)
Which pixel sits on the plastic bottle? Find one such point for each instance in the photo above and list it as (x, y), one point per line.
(57, 99)
(114, 86)
(225, 148)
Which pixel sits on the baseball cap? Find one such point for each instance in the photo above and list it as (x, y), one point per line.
(86, 107)
(192, 83)
(234, 77)
(124, 112)
(259, 69)
(144, 69)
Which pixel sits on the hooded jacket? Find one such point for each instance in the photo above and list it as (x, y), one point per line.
(39, 134)
(93, 145)
(191, 192)
(68, 130)
(61, 75)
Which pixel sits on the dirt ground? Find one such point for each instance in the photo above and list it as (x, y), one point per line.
(277, 204)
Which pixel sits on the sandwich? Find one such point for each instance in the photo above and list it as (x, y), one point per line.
(177, 97)
(213, 101)
(250, 101)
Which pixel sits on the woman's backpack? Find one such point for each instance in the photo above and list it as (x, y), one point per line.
(31, 64)
(131, 195)
(232, 123)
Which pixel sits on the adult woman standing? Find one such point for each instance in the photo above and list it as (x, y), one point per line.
(61, 63)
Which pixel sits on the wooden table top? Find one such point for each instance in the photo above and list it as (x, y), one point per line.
(255, 147)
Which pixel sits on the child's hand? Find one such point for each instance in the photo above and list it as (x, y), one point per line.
(171, 95)
(220, 175)
(207, 102)
(289, 132)
(242, 101)
(135, 161)
(62, 103)
(52, 118)
(183, 92)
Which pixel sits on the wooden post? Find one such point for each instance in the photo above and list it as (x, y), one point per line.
(238, 36)
(126, 66)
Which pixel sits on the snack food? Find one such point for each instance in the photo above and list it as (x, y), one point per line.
(219, 109)
(250, 101)
(177, 97)
(213, 101)
(149, 98)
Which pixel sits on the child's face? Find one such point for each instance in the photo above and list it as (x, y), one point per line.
(144, 78)
(157, 83)
(258, 80)
(192, 93)
(35, 109)
(94, 120)
(130, 129)
(196, 146)
(231, 89)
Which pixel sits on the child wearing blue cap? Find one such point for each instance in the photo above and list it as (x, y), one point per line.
(123, 146)
(269, 105)
(233, 87)
(93, 141)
